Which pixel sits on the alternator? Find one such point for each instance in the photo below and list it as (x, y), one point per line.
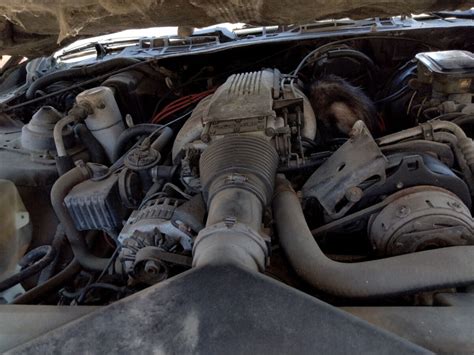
(158, 235)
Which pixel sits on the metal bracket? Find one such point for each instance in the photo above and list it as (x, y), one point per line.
(157, 254)
(428, 131)
(356, 163)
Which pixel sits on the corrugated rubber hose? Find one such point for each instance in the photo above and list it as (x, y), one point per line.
(398, 275)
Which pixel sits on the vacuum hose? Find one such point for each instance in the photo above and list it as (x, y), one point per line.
(464, 143)
(52, 284)
(35, 261)
(403, 274)
(145, 129)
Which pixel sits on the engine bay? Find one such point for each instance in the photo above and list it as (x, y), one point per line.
(341, 168)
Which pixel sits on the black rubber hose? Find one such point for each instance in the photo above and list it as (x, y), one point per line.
(37, 259)
(144, 129)
(394, 96)
(76, 73)
(51, 285)
(464, 119)
(403, 274)
(59, 241)
(60, 189)
(165, 135)
(95, 149)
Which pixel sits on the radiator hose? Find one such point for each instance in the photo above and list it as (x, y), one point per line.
(403, 274)
(76, 239)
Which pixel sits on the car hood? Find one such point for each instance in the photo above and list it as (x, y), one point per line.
(32, 28)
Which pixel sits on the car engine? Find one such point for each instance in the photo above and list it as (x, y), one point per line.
(348, 177)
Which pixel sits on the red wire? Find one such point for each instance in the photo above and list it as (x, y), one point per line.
(180, 101)
(184, 99)
(108, 241)
(180, 104)
(381, 124)
(174, 106)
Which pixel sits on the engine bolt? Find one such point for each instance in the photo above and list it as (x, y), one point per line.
(270, 132)
(455, 205)
(152, 267)
(354, 194)
(403, 211)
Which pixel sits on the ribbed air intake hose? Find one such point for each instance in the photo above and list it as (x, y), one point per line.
(237, 175)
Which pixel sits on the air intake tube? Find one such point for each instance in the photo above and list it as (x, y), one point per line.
(398, 275)
(237, 175)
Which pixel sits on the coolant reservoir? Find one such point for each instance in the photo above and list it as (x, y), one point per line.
(15, 228)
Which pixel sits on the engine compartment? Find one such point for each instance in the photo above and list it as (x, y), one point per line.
(331, 169)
